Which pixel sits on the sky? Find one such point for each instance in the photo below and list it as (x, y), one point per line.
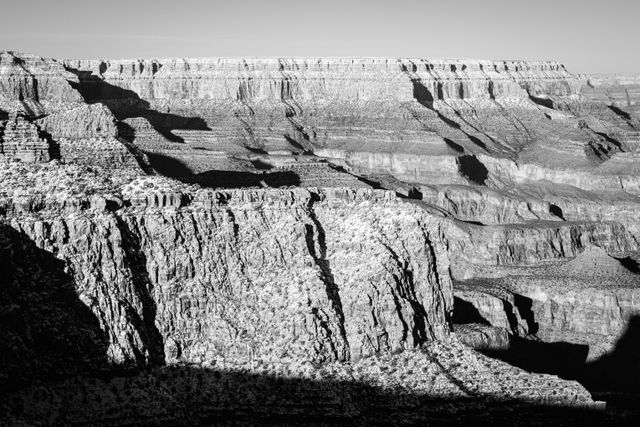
(588, 36)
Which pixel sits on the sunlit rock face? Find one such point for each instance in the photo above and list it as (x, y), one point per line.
(318, 276)
(22, 140)
(365, 220)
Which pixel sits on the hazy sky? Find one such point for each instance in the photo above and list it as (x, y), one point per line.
(588, 36)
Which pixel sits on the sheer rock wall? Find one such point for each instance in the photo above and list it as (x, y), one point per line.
(304, 275)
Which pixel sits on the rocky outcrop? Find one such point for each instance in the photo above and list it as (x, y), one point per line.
(487, 206)
(30, 78)
(389, 115)
(85, 121)
(275, 248)
(341, 283)
(481, 251)
(621, 92)
(20, 139)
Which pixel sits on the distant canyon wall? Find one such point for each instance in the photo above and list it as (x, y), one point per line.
(317, 79)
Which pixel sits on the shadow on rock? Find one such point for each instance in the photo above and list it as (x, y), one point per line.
(619, 112)
(564, 359)
(473, 169)
(125, 103)
(242, 179)
(168, 166)
(183, 395)
(46, 332)
(223, 179)
(614, 377)
(53, 370)
(619, 370)
(464, 313)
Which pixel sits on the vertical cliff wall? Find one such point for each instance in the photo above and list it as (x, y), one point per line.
(242, 276)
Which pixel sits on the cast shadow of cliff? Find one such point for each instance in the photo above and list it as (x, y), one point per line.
(425, 98)
(263, 176)
(125, 103)
(242, 179)
(618, 370)
(188, 395)
(46, 331)
(464, 312)
(567, 360)
(619, 112)
(614, 377)
(472, 168)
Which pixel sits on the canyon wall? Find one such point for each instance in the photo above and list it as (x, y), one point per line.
(296, 214)
(324, 275)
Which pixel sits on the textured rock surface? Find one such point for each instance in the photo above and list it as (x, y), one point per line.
(350, 273)
(85, 121)
(272, 247)
(588, 300)
(22, 140)
(27, 77)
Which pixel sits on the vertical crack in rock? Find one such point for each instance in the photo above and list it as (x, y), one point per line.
(443, 295)
(405, 288)
(314, 234)
(136, 262)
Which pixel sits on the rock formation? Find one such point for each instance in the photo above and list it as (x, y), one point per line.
(334, 235)
(22, 140)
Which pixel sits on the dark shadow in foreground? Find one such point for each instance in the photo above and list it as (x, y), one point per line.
(185, 395)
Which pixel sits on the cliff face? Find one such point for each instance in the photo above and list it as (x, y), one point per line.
(24, 141)
(302, 275)
(27, 77)
(309, 79)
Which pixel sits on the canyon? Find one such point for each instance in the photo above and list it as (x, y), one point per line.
(348, 240)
